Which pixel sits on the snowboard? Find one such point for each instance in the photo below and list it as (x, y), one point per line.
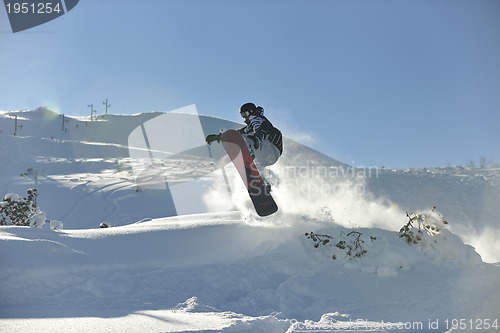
(237, 150)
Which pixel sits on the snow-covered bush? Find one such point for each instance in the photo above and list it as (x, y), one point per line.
(16, 210)
(430, 222)
(431, 237)
(56, 225)
(350, 244)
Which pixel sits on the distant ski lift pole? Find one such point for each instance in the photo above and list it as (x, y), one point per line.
(92, 111)
(107, 105)
(16, 126)
(64, 122)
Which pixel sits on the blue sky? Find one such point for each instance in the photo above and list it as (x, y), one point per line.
(393, 83)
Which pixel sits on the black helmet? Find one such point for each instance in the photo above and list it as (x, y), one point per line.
(252, 109)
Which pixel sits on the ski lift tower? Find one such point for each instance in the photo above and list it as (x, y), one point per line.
(107, 105)
(16, 126)
(92, 111)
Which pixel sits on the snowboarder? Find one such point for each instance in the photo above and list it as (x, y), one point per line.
(264, 141)
(253, 147)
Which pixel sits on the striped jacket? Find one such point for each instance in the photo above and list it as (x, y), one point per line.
(261, 128)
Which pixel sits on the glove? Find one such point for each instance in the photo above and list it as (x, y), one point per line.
(255, 140)
(213, 137)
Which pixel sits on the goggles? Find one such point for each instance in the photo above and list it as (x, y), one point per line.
(245, 114)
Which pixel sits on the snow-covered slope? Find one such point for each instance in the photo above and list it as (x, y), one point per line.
(221, 268)
(88, 164)
(216, 272)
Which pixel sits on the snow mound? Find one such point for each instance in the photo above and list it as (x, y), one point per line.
(381, 252)
(239, 323)
(193, 305)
